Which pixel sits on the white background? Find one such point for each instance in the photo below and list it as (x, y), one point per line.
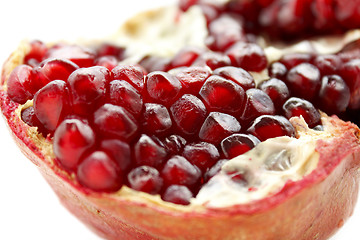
(28, 207)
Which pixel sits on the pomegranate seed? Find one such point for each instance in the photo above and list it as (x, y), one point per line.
(51, 104)
(37, 52)
(19, 84)
(237, 75)
(218, 126)
(72, 139)
(29, 117)
(324, 14)
(188, 113)
(347, 14)
(291, 60)
(134, 74)
(185, 57)
(99, 172)
(119, 151)
(145, 179)
(110, 62)
(248, 56)
(87, 88)
(178, 170)
(247, 9)
(292, 17)
(327, 64)
(277, 70)
(222, 95)
(192, 78)
(81, 56)
(108, 49)
(213, 60)
(304, 81)
(334, 94)
(300, 107)
(174, 144)
(266, 126)
(114, 121)
(156, 119)
(177, 194)
(257, 103)
(350, 72)
(276, 90)
(147, 152)
(162, 87)
(121, 93)
(214, 169)
(237, 144)
(155, 63)
(203, 155)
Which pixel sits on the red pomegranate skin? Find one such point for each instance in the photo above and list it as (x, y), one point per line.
(311, 208)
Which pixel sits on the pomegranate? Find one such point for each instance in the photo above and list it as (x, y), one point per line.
(221, 141)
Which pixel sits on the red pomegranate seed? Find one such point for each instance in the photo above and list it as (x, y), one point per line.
(225, 31)
(99, 172)
(347, 13)
(134, 74)
(293, 17)
(300, 107)
(174, 144)
(109, 49)
(237, 144)
(177, 194)
(156, 119)
(248, 56)
(266, 126)
(28, 116)
(220, 94)
(192, 78)
(276, 90)
(188, 113)
(119, 151)
(149, 153)
(248, 9)
(350, 72)
(81, 56)
(213, 60)
(162, 87)
(87, 88)
(145, 179)
(327, 64)
(38, 51)
(257, 103)
(110, 62)
(178, 170)
(304, 81)
(19, 84)
(121, 93)
(218, 126)
(51, 104)
(203, 155)
(72, 139)
(291, 60)
(277, 70)
(155, 63)
(114, 121)
(214, 169)
(185, 57)
(334, 94)
(324, 14)
(237, 75)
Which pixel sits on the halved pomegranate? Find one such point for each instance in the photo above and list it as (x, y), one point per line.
(216, 142)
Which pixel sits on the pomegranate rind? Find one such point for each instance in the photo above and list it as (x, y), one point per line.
(313, 208)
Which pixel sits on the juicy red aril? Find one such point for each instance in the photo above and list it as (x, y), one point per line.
(276, 90)
(327, 64)
(108, 49)
(300, 107)
(99, 172)
(277, 70)
(213, 60)
(81, 56)
(155, 63)
(185, 57)
(177, 194)
(119, 151)
(72, 139)
(114, 121)
(293, 59)
(248, 56)
(174, 144)
(51, 103)
(304, 81)
(148, 152)
(257, 103)
(237, 75)
(218, 126)
(223, 95)
(87, 88)
(324, 14)
(146, 179)
(156, 119)
(123, 94)
(188, 113)
(214, 169)
(134, 74)
(334, 94)
(19, 84)
(350, 72)
(162, 87)
(37, 52)
(347, 13)
(192, 78)
(178, 170)
(266, 126)
(238, 144)
(109, 62)
(203, 155)
(29, 117)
